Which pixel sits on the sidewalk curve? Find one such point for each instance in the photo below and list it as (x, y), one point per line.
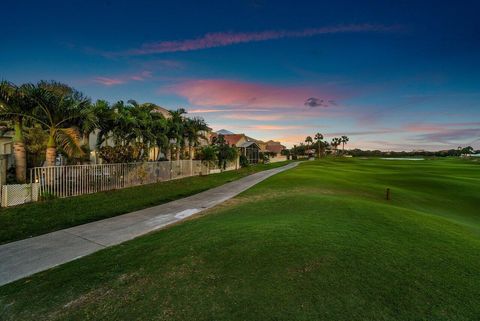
(26, 257)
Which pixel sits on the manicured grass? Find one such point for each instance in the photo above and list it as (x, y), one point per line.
(34, 219)
(318, 242)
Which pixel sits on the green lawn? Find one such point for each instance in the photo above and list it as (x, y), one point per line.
(39, 218)
(318, 242)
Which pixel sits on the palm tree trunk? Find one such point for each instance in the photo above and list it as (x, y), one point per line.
(86, 140)
(190, 151)
(19, 153)
(51, 152)
(178, 153)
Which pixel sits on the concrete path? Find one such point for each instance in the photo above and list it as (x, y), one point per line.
(26, 257)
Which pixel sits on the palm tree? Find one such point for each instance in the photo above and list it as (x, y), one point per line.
(59, 110)
(335, 142)
(194, 129)
(176, 130)
(318, 139)
(309, 141)
(344, 140)
(105, 122)
(15, 104)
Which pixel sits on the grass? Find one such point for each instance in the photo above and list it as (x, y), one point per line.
(318, 242)
(39, 218)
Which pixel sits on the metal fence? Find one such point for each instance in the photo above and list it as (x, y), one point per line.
(66, 181)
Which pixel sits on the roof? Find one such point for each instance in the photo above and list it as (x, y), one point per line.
(275, 147)
(248, 144)
(162, 111)
(231, 139)
(224, 132)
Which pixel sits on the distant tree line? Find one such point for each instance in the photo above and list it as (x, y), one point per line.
(318, 146)
(442, 153)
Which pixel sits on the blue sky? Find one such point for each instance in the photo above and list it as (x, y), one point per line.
(392, 76)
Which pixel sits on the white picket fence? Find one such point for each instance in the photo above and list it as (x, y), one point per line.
(75, 180)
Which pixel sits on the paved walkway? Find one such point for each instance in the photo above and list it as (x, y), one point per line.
(26, 257)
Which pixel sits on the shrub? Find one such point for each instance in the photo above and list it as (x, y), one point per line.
(244, 161)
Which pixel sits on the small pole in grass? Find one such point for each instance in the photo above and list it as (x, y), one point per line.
(388, 194)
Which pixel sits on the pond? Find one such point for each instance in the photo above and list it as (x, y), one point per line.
(402, 158)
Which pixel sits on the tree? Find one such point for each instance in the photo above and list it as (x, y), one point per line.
(194, 129)
(467, 150)
(35, 144)
(15, 105)
(59, 109)
(344, 140)
(176, 130)
(319, 140)
(309, 141)
(335, 142)
(225, 152)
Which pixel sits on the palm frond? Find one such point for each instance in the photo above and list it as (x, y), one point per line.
(69, 140)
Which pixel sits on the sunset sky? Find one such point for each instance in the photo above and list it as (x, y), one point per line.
(392, 75)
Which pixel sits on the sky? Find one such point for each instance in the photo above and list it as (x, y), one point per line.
(391, 75)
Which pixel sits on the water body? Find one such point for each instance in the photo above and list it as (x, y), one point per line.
(402, 158)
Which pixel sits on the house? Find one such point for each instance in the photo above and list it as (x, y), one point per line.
(251, 151)
(247, 146)
(275, 150)
(6, 154)
(275, 147)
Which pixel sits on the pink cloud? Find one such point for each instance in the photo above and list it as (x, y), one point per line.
(273, 127)
(106, 81)
(122, 79)
(254, 117)
(220, 92)
(224, 110)
(222, 39)
(205, 111)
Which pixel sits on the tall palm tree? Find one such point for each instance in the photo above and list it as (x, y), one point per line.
(318, 139)
(176, 130)
(158, 130)
(309, 141)
(194, 131)
(59, 109)
(335, 142)
(14, 105)
(344, 140)
(105, 122)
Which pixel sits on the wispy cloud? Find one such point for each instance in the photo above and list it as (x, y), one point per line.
(223, 110)
(122, 79)
(222, 39)
(365, 132)
(319, 102)
(254, 117)
(273, 127)
(234, 94)
(438, 127)
(450, 135)
(107, 81)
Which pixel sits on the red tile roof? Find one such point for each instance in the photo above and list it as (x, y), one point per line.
(275, 147)
(231, 139)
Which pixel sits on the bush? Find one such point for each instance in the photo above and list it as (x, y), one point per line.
(118, 154)
(244, 161)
